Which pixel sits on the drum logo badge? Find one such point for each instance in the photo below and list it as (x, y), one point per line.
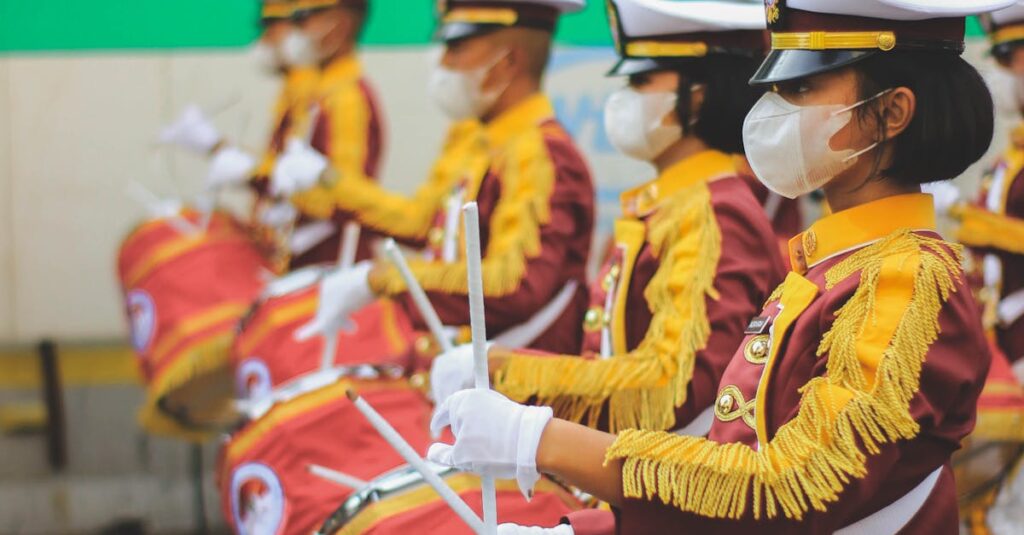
(252, 381)
(142, 317)
(257, 500)
(773, 10)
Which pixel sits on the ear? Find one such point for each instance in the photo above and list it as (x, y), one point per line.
(697, 99)
(900, 104)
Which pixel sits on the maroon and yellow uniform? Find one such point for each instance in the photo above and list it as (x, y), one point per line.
(852, 389)
(995, 230)
(660, 330)
(291, 107)
(347, 128)
(536, 202)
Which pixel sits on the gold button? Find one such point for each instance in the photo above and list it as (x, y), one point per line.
(886, 41)
(725, 403)
(423, 345)
(756, 350)
(436, 236)
(810, 243)
(593, 319)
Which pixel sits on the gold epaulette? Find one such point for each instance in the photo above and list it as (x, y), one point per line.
(643, 388)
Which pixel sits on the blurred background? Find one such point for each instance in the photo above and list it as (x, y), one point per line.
(84, 87)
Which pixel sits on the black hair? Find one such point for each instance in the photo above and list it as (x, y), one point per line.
(953, 122)
(728, 98)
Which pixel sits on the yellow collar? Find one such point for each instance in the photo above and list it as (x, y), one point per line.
(343, 69)
(527, 114)
(704, 166)
(860, 225)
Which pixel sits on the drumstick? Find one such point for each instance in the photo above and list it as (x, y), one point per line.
(336, 477)
(419, 297)
(406, 451)
(349, 245)
(471, 218)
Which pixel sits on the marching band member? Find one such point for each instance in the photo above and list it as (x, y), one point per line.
(341, 127)
(876, 354)
(509, 153)
(694, 254)
(995, 228)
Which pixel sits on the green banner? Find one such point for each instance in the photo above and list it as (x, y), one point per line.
(80, 25)
(69, 25)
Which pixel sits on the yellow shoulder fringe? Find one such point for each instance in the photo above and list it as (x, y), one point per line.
(527, 177)
(981, 228)
(642, 388)
(815, 455)
(405, 217)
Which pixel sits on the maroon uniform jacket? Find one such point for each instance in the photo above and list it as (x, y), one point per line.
(694, 257)
(852, 389)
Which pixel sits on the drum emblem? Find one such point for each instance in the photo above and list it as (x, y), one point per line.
(252, 380)
(142, 316)
(257, 500)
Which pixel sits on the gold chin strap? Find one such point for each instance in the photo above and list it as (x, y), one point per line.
(833, 40)
(482, 15)
(655, 49)
(1008, 34)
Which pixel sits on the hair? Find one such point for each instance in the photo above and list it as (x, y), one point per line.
(953, 121)
(535, 44)
(728, 97)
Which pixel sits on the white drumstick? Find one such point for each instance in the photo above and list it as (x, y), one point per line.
(419, 297)
(409, 454)
(329, 349)
(471, 218)
(349, 245)
(334, 476)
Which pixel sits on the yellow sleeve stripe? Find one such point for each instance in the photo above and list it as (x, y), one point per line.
(981, 228)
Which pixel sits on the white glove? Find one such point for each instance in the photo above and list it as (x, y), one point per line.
(279, 215)
(451, 371)
(516, 529)
(494, 436)
(192, 131)
(341, 293)
(298, 169)
(944, 194)
(229, 166)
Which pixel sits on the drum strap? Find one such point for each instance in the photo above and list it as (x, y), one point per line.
(306, 237)
(895, 516)
(1011, 308)
(524, 334)
(700, 426)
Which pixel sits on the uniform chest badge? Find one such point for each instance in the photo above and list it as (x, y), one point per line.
(773, 10)
(252, 380)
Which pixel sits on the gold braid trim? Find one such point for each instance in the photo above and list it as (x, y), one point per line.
(644, 387)
(981, 228)
(405, 217)
(813, 456)
(527, 177)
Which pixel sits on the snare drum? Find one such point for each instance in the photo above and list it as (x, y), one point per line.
(402, 502)
(266, 356)
(185, 290)
(265, 483)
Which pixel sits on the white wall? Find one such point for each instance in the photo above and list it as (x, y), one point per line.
(76, 130)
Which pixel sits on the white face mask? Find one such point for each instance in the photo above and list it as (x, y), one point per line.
(634, 122)
(268, 57)
(788, 145)
(460, 94)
